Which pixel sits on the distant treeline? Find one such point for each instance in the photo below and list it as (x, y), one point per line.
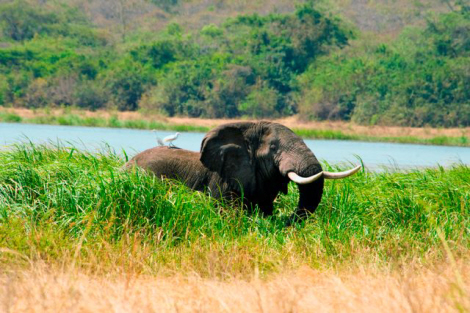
(306, 62)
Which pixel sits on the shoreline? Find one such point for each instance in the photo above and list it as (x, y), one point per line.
(332, 130)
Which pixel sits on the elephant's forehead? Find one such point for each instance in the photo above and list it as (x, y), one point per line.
(282, 133)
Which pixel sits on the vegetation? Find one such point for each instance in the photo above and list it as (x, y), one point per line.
(419, 79)
(71, 119)
(78, 232)
(75, 119)
(271, 65)
(58, 205)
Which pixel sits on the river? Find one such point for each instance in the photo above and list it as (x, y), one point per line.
(374, 155)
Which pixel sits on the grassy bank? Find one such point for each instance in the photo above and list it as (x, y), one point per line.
(339, 135)
(76, 230)
(80, 118)
(71, 119)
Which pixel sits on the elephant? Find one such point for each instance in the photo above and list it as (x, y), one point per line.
(254, 161)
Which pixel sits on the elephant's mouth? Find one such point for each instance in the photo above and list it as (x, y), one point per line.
(328, 175)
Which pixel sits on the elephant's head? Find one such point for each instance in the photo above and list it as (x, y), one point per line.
(262, 158)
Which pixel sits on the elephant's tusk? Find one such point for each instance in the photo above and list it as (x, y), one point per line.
(303, 180)
(329, 175)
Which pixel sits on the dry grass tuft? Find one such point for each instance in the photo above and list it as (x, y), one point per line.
(42, 289)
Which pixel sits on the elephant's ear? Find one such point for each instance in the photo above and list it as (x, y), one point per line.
(225, 151)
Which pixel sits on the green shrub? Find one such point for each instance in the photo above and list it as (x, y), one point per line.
(20, 21)
(212, 30)
(7, 117)
(90, 95)
(261, 102)
(126, 83)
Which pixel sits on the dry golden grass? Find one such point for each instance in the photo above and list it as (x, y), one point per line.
(410, 289)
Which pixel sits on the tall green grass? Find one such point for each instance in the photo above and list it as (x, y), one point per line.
(58, 204)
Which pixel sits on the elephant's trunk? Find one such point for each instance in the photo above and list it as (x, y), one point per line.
(308, 175)
(311, 189)
(309, 197)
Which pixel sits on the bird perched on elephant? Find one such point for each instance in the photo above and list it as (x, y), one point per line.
(253, 160)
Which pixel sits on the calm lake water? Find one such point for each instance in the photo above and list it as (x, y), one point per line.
(374, 155)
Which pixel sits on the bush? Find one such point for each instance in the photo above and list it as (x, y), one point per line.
(7, 117)
(229, 91)
(90, 95)
(3, 89)
(183, 90)
(21, 21)
(126, 83)
(61, 90)
(261, 102)
(212, 31)
(161, 52)
(37, 94)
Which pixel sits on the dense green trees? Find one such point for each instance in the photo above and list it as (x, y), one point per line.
(222, 71)
(422, 78)
(250, 65)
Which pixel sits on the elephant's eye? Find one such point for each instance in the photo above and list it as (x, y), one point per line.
(272, 146)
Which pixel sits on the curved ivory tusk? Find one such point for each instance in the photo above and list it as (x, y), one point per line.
(329, 175)
(303, 180)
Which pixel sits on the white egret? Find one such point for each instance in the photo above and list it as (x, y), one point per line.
(171, 138)
(159, 140)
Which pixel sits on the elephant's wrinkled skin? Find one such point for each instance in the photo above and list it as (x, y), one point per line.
(249, 159)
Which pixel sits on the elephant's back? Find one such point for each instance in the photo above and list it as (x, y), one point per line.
(169, 162)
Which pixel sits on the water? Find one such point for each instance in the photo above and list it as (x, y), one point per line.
(374, 155)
